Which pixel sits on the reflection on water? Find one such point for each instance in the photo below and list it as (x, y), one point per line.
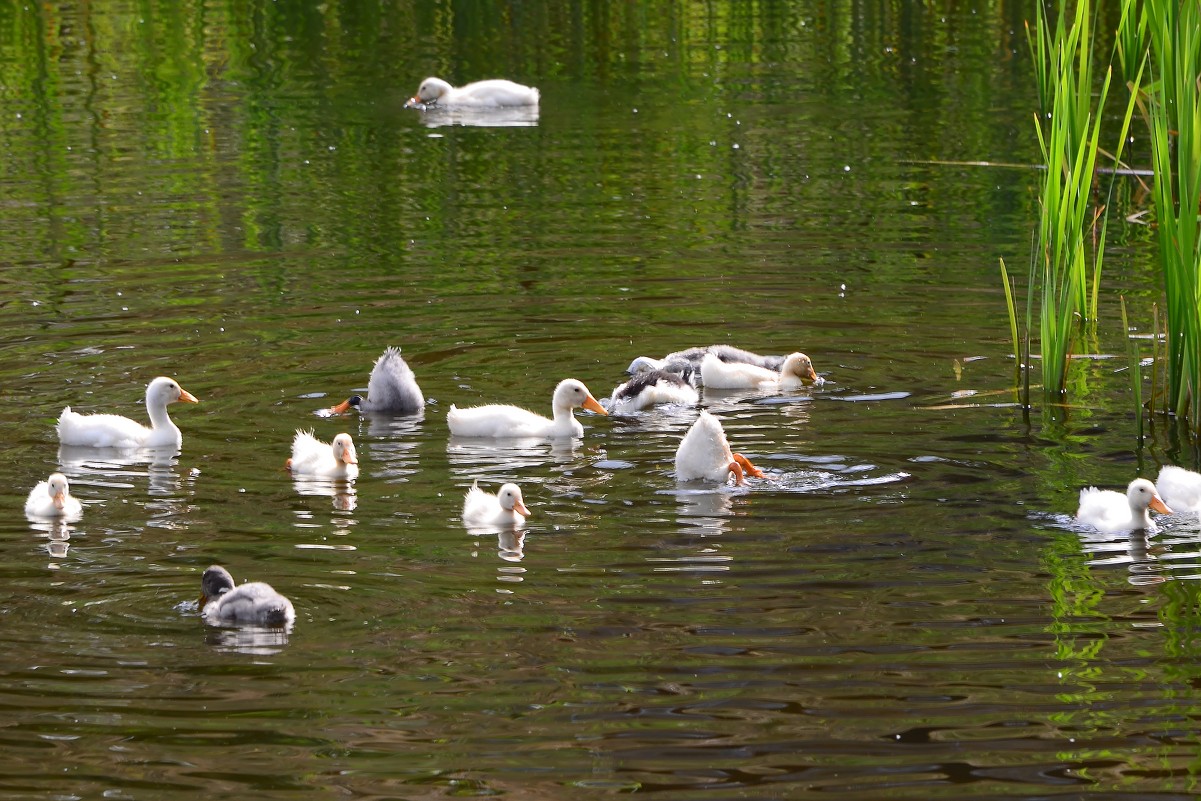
(490, 459)
(1172, 551)
(254, 640)
(57, 533)
(342, 491)
(509, 117)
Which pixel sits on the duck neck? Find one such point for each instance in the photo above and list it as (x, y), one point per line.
(159, 419)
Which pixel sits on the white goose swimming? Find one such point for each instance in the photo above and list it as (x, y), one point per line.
(53, 498)
(392, 389)
(115, 431)
(1110, 512)
(704, 454)
(255, 602)
(312, 457)
(1179, 488)
(694, 356)
(505, 508)
(796, 372)
(497, 420)
(494, 93)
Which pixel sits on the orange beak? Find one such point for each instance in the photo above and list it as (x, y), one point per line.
(59, 500)
(204, 599)
(592, 405)
(812, 374)
(341, 408)
(187, 397)
(1158, 505)
(746, 465)
(520, 507)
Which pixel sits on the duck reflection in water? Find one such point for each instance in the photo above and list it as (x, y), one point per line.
(509, 117)
(58, 534)
(472, 456)
(341, 491)
(1130, 548)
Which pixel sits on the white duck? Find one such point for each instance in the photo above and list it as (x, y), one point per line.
(494, 93)
(392, 389)
(1179, 488)
(114, 431)
(1110, 512)
(694, 356)
(255, 602)
(496, 420)
(505, 508)
(647, 389)
(312, 457)
(796, 372)
(705, 455)
(53, 498)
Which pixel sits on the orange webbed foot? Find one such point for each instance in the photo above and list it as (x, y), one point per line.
(750, 469)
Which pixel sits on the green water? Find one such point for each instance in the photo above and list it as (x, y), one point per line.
(233, 195)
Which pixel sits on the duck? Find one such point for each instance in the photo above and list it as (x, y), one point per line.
(496, 420)
(255, 602)
(704, 454)
(652, 387)
(796, 371)
(1110, 512)
(494, 93)
(1179, 488)
(694, 357)
(53, 498)
(505, 508)
(115, 431)
(312, 457)
(392, 389)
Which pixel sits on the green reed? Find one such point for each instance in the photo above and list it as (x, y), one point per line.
(1065, 272)
(1174, 109)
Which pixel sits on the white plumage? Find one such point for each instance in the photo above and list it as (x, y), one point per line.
(312, 457)
(505, 508)
(496, 420)
(704, 454)
(1179, 488)
(53, 498)
(115, 431)
(392, 388)
(493, 93)
(796, 372)
(1110, 512)
(254, 603)
(650, 388)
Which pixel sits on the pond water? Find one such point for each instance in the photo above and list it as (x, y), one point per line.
(232, 194)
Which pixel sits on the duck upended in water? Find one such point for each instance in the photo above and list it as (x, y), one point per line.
(392, 389)
(704, 454)
(312, 457)
(796, 371)
(694, 357)
(1110, 512)
(115, 431)
(53, 498)
(254, 603)
(1179, 488)
(505, 508)
(493, 93)
(497, 420)
(652, 387)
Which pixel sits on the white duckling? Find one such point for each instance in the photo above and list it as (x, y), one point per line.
(650, 388)
(494, 93)
(392, 389)
(796, 372)
(505, 508)
(496, 420)
(1179, 488)
(312, 457)
(704, 454)
(53, 498)
(1110, 512)
(115, 431)
(255, 602)
(694, 356)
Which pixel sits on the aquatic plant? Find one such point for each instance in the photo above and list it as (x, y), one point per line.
(1064, 272)
(1174, 111)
